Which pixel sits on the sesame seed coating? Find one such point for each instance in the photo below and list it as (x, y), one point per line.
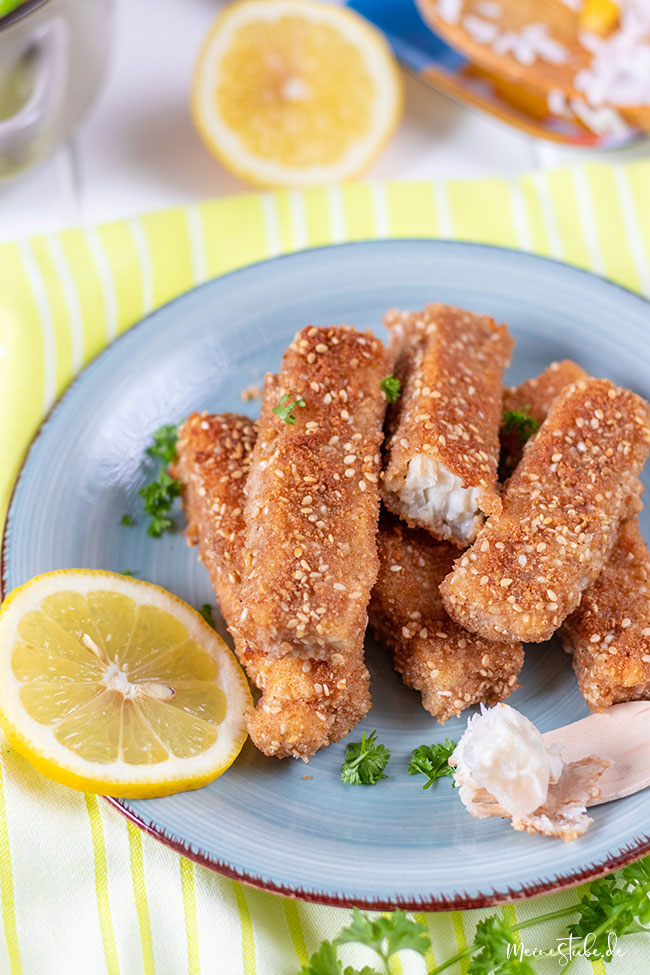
(534, 396)
(310, 527)
(305, 704)
(609, 633)
(451, 667)
(450, 363)
(563, 515)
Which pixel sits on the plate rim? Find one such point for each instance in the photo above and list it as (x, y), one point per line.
(631, 851)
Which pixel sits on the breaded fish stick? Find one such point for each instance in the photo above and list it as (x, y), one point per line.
(442, 448)
(609, 633)
(533, 397)
(452, 668)
(313, 497)
(305, 704)
(562, 509)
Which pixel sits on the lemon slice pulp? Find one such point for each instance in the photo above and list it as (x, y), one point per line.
(293, 92)
(110, 684)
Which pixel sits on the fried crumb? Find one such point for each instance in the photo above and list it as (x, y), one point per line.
(251, 393)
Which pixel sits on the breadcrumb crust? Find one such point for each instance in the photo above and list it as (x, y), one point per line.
(451, 667)
(305, 704)
(450, 363)
(562, 509)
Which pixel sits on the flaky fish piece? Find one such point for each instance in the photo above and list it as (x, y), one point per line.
(563, 815)
(313, 497)
(442, 447)
(305, 704)
(533, 397)
(562, 508)
(609, 633)
(452, 668)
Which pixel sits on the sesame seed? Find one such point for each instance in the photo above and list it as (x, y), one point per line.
(505, 583)
(625, 623)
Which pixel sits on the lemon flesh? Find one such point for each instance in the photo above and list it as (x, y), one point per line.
(113, 685)
(289, 92)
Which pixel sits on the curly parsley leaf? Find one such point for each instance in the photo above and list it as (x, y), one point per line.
(164, 443)
(392, 387)
(496, 951)
(159, 496)
(158, 499)
(126, 572)
(519, 422)
(127, 520)
(323, 962)
(386, 935)
(618, 904)
(432, 761)
(285, 409)
(206, 613)
(365, 761)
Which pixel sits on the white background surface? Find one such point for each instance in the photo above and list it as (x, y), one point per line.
(137, 149)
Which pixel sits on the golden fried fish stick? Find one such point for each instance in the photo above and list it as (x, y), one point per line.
(452, 668)
(609, 633)
(562, 509)
(442, 447)
(313, 497)
(533, 397)
(305, 704)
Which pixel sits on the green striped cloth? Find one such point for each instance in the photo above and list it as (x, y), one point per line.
(81, 889)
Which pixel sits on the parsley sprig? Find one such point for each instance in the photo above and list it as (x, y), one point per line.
(160, 494)
(206, 613)
(519, 422)
(285, 409)
(365, 761)
(392, 387)
(386, 936)
(616, 905)
(432, 761)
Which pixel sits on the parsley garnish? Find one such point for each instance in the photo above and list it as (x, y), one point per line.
(392, 387)
(384, 935)
(432, 761)
(206, 613)
(159, 496)
(284, 409)
(164, 443)
(365, 761)
(126, 572)
(617, 905)
(127, 520)
(518, 421)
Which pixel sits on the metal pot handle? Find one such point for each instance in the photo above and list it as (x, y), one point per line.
(21, 133)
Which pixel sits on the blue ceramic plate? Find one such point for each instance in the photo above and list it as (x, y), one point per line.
(286, 826)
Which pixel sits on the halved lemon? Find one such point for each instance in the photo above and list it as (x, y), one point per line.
(110, 684)
(294, 92)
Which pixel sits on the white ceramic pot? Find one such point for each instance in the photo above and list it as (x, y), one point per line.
(53, 54)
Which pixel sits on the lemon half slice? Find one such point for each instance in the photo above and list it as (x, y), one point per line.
(113, 685)
(293, 92)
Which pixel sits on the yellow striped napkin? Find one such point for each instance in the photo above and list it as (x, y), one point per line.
(81, 889)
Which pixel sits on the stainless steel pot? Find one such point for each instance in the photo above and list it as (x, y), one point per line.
(53, 54)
